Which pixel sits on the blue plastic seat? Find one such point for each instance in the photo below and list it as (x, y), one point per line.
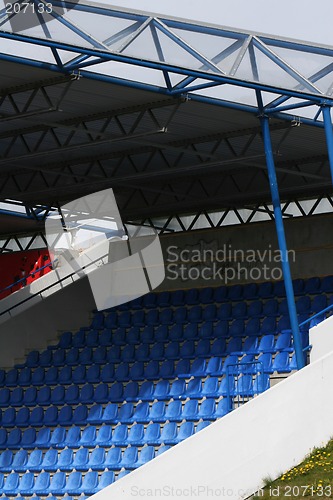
(283, 324)
(50, 416)
(14, 439)
(163, 299)
(222, 408)
(142, 353)
(252, 327)
(209, 313)
(150, 300)
(183, 368)
(178, 298)
(38, 375)
(87, 438)
(235, 292)
(187, 350)
(131, 391)
(236, 329)
(141, 413)
(271, 308)
(106, 479)
(177, 389)
(6, 460)
(161, 334)
(112, 459)
(65, 415)
(120, 435)
(162, 390)
(111, 320)
(49, 463)
(135, 435)
(234, 345)
(255, 309)
(146, 454)
(96, 412)
(226, 387)
(157, 412)
(116, 393)
(122, 372)
(147, 335)
(319, 303)
(244, 386)
(266, 360)
(281, 363)
(125, 413)
(107, 373)
(36, 418)
(12, 378)
(250, 291)
(224, 312)
(3, 439)
(268, 326)
(44, 396)
(57, 439)
(194, 388)
(65, 460)
(220, 294)
(327, 284)
(96, 460)
(261, 383)
(214, 366)
(105, 337)
(43, 439)
(125, 319)
(221, 329)
(185, 431)
(114, 354)
(73, 484)
(20, 460)
(250, 345)
(312, 286)
(93, 374)
(210, 387)
(152, 434)
(207, 410)
(229, 361)
(58, 395)
(138, 318)
(146, 392)
(110, 414)
(9, 417)
(180, 315)
(92, 336)
(283, 342)
(279, 289)
(58, 483)
(79, 375)
(218, 348)
(202, 349)
(151, 370)
(202, 425)
(11, 484)
(157, 351)
(265, 290)
(206, 331)
(42, 483)
(239, 311)
(86, 394)
(175, 334)
(16, 397)
(133, 335)
(206, 295)
(303, 305)
(72, 439)
(190, 411)
(119, 336)
(33, 359)
(166, 316)
(171, 351)
(194, 314)
(45, 358)
(173, 411)
(266, 344)
(136, 371)
(81, 458)
(190, 331)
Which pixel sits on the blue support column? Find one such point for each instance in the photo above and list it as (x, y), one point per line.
(282, 241)
(329, 135)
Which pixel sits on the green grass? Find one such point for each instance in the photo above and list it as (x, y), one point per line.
(313, 478)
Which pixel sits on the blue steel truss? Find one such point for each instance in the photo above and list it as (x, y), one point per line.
(235, 68)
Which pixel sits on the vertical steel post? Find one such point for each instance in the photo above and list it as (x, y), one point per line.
(282, 241)
(329, 135)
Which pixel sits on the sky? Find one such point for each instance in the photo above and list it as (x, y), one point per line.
(301, 19)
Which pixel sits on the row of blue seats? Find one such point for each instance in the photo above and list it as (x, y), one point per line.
(147, 391)
(44, 484)
(127, 413)
(130, 369)
(198, 314)
(106, 436)
(174, 350)
(138, 370)
(82, 459)
(232, 293)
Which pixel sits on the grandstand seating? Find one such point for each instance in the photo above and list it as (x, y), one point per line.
(140, 379)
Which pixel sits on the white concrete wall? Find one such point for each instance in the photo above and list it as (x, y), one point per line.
(321, 339)
(265, 437)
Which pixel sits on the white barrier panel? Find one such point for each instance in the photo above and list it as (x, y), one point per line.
(230, 458)
(321, 339)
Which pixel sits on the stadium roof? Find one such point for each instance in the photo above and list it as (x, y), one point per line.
(163, 110)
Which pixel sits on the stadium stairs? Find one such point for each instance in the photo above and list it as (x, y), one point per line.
(157, 372)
